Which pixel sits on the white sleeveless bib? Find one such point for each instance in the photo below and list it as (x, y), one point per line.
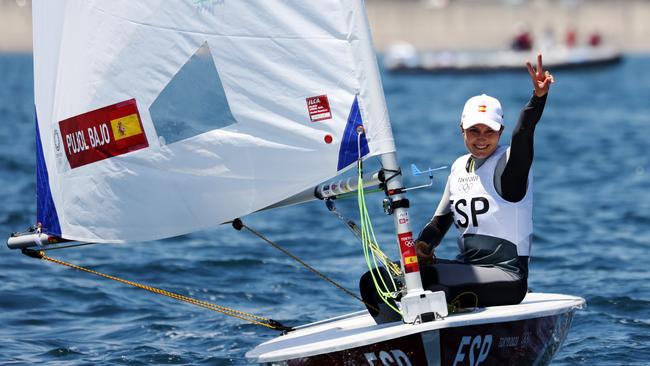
(479, 209)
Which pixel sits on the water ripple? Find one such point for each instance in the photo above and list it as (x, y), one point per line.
(592, 235)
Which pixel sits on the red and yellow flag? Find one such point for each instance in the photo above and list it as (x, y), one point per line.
(102, 134)
(126, 126)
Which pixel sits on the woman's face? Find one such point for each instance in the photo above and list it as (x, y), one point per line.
(481, 140)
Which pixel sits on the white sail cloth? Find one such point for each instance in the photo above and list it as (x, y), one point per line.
(159, 118)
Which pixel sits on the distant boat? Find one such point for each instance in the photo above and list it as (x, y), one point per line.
(404, 58)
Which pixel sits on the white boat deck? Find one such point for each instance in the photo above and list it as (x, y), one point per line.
(359, 329)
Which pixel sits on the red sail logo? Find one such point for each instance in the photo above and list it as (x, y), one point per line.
(103, 133)
(319, 108)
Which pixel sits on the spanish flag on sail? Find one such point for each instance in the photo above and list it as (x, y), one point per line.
(102, 133)
(126, 126)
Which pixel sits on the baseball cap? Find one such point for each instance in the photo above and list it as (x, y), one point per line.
(482, 109)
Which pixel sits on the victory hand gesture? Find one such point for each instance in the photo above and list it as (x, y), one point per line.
(542, 80)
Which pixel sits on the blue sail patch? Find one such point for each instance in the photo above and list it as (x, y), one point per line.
(45, 209)
(193, 102)
(349, 151)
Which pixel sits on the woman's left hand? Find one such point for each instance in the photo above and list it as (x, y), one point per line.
(542, 80)
(425, 252)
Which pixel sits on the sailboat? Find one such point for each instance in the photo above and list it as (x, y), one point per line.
(155, 119)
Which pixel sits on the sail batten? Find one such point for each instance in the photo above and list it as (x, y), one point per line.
(162, 118)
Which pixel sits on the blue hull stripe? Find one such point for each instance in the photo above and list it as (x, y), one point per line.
(348, 152)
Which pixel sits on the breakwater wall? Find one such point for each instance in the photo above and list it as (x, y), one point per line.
(490, 24)
(450, 24)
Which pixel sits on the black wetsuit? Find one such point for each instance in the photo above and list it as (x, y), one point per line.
(501, 279)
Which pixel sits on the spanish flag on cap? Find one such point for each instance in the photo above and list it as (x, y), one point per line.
(482, 109)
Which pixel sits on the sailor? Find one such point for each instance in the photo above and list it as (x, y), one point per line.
(489, 198)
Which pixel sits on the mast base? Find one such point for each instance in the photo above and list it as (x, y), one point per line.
(423, 306)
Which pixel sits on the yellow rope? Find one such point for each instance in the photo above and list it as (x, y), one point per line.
(371, 250)
(224, 310)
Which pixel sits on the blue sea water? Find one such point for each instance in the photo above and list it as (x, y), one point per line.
(592, 234)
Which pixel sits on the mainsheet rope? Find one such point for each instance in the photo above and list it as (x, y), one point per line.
(251, 318)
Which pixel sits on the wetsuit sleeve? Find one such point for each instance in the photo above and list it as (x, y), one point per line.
(514, 179)
(437, 227)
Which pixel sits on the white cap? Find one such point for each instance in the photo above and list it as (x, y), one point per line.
(482, 109)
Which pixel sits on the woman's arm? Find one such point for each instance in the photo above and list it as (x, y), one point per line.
(435, 230)
(514, 180)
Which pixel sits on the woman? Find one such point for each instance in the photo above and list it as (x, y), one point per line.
(488, 197)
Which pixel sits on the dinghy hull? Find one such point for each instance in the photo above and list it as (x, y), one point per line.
(526, 334)
(525, 342)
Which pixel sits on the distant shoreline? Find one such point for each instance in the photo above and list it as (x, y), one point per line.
(489, 24)
(15, 27)
(486, 24)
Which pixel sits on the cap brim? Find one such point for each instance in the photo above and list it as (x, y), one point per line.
(476, 120)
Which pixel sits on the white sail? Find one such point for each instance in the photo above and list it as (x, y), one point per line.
(159, 118)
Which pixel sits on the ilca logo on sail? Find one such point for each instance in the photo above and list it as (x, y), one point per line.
(319, 108)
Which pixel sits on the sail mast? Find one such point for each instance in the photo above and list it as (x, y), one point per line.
(417, 303)
(399, 208)
(375, 92)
